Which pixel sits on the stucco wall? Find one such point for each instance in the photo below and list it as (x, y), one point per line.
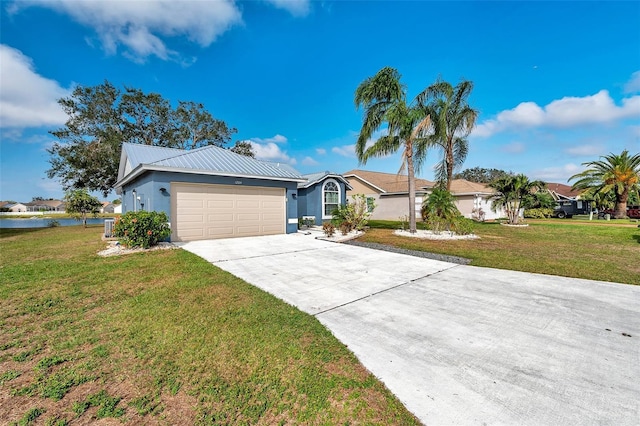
(311, 199)
(150, 183)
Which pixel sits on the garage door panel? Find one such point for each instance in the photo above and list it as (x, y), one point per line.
(223, 211)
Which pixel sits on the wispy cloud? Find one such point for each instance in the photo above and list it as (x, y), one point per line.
(308, 161)
(271, 152)
(563, 113)
(275, 139)
(141, 27)
(345, 150)
(294, 7)
(586, 150)
(321, 151)
(557, 174)
(27, 99)
(633, 85)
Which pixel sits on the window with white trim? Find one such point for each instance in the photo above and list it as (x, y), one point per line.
(330, 198)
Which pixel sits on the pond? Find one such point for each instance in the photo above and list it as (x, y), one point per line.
(45, 222)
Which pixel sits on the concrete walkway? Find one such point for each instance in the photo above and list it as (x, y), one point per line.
(460, 344)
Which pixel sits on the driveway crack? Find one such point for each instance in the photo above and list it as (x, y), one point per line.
(384, 290)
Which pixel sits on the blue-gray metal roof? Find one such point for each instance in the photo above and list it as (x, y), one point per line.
(208, 160)
(313, 178)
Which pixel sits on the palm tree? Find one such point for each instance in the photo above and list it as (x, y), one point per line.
(383, 98)
(511, 190)
(618, 173)
(452, 120)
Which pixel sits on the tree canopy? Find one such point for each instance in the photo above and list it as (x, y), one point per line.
(383, 98)
(619, 174)
(80, 203)
(102, 117)
(481, 175)
(452, 120)
(511, 190)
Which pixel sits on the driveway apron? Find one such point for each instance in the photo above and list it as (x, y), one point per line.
(460, 344)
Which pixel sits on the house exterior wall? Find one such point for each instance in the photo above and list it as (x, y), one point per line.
(394, 207)
(148, 187)
(310, 199)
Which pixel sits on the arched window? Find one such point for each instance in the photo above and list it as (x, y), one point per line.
(330, 198)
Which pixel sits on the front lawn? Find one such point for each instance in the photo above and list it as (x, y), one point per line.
(163, 338)
(597, 250)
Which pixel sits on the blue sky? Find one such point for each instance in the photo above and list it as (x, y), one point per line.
(556, 83)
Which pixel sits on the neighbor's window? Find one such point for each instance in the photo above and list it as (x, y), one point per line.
(370, 204)
(330, 198)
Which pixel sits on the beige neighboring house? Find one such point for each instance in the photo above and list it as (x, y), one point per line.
(46, 206)
(390, 193)
(107, 207)
(15, 207)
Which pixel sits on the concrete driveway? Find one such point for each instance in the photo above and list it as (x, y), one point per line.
(460, 344)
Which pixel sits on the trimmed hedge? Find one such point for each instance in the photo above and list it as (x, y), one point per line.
(142, 229)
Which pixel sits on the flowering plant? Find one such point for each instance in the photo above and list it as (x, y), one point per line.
(142, 229)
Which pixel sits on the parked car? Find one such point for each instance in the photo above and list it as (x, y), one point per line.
(633, 212)
(568, 208)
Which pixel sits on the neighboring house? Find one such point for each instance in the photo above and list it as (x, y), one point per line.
(560, 191)
(15, 207)
(321, 194)
(211, 192)
(46, 206)
(117, 209)
(474, 200)
(388, 191)
(107, 207)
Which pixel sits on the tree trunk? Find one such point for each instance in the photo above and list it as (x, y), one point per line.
(621, 205)
(449, 162)
(412, 190)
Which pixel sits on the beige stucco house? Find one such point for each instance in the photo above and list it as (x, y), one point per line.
(390, 193)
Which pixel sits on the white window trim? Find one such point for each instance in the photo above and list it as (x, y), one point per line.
(322, 195)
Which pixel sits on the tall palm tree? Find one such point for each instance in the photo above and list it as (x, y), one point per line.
(383, 98)
(452, 119)
(511, 190)
(618, 173)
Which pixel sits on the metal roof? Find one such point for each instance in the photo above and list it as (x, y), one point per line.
(206, 160)
(313, 178)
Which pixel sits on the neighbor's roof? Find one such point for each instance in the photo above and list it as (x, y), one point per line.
(49, 203)
(560, 189)
(209, 160)
(387, 183)
(314, 178)
(465, 187)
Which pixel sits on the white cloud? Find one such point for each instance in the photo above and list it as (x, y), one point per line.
(514, 148)
(275, 139)
(271, 152)
(308, 161)
(563, 113)
(321, 151)
(586, 150)
(345, 150)
(294, 7)
(27, 99)
(138, 25)
(633, 85)
(558, 174)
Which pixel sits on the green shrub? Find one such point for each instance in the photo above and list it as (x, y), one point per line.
(540, 213)
(462, 226)
(354, 215)
(142, 229)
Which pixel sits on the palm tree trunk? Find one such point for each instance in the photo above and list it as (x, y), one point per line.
(412, 190)
(449, 162)
(621, 205)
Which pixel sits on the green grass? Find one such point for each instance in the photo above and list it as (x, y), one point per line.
(164, 335)
(598, 250)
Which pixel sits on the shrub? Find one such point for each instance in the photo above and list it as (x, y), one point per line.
(142, 229)
(541, 213)
(462, 226)
(329, 229)
(353, 215)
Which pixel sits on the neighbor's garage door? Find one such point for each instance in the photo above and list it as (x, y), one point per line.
(224, 211)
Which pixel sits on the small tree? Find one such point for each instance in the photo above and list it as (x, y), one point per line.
(80, 203)
(510, 192)
(439, 211)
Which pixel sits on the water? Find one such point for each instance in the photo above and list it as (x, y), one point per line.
(44, 222)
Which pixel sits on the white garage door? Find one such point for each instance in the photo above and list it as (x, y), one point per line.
(223, 211)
